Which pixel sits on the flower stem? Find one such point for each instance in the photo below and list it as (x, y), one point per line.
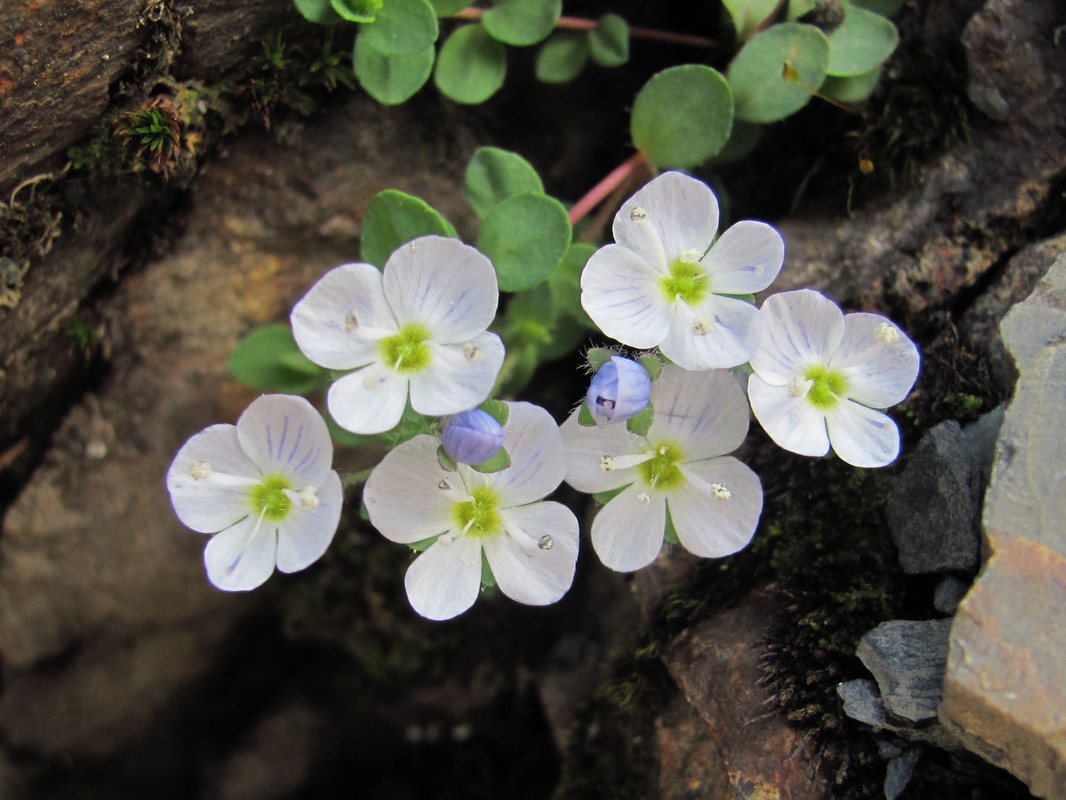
(580, 24)
(601, 190)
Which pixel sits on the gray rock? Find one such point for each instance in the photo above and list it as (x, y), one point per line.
(862, 702)
(948, 593)
(898, 773)
(907, 659)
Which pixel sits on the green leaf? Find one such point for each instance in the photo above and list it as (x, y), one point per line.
(562, 57)
(670, 532)
(269, 360)
(493, 175)
(357, 10)
(852, 89)
(886, 8)
(391, 80)
(522, 22)
(500, 461)
(565, 284)
(748, 15)
(446, 462)
(682, 116)
(445, 8)
(566, 334)
(776, 73)
(641, 423)
(584, 416)
(519, 364)
(403, 27)
(799, 8)
(497, 409)
(424, 544)
(742, 141)
(529, 318)
(609, 41)
(525, 237)
(607, 495)
(320, 11)
(488, 580)
(394, 218)
(471, 66)
(598, 356)
(861, 43)
(652, 365)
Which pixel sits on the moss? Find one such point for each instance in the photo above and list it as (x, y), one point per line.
(30, 222)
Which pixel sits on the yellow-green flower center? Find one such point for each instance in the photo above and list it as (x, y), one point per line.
(406, 351)
(479, 516)
(269, 499)
(686, 282)
(828, 388)
(660, 472)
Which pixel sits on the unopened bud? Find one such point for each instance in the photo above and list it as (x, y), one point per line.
(619, 391)
(472, 437)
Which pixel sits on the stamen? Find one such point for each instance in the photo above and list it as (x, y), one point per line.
(798, 387)
(200, 470)
(691, 257)
(609, 463)
(473, 353)
(702, 327)
(351, 322)
(443, 485)
(887, 334)
(309, 498)
(719, 491)
(644, 498)
(606, 463)
(638, 214)
(545, 542)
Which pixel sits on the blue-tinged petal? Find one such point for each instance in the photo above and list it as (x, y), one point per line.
(534, 562)
(445, 580)
(715, 514)
(746, 259)
(459, 376)
(445, 285)
(284, 434)
(878, 360)
(861, 436)
(799, 329)
(586, 449)
(243, 556)
(201, 481)
(307, 531)
(341, 319)
(672, 215)
(719, 333)
(620, 291)
(628, 532)
(409, 496)
(369, 400)
(472, 437)
(538, 456)
(704, 413)
(618, 391)
(792, 422)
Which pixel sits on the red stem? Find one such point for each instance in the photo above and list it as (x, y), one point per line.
(601, 190)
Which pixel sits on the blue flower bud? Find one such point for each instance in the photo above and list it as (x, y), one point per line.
(472, 437)
(619, 390)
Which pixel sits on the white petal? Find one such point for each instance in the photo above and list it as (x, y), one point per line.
(445, 580)
(340, 320)
(369, 400)
(202, 504)
(242, 557)
(720, 332)
(799, 328)
(880, 372)
(620, 291)
(524, 571)
(627, 534)
(861, 436)
(711, 526)
(792, 422)
(745, 259)
(443, 284)
(538, 456)
(680, 214)
(305, 534)
(458, 377)
(404, 495)
(705, 413)
(284, 434)
(585, 449)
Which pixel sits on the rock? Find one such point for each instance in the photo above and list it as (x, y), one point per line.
(948, 593)
(862, 702)
(907, 660)
(898, 773)
(689, 762)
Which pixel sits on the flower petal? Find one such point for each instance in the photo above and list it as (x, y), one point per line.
(524, 571)
(627, 534)
(443, 284)
(538, 456)
(705, 412)
(671, 215)
(242, 557)
(879, 361)
(711, 526)
(792, 422)
(284, 434)
(202, 504)
(720, 332)
(459, 376)
(585, 449)
(799, 328)
(340, 320)
(620, 292)
(445, 580)
(861, 436)
(745, 259)
(404, 495)
(305, 534)
(369, 400)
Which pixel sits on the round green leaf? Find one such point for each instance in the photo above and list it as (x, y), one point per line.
(682, 116)
(776, 73)
(799, 8)
(609, 41)
(748, 15)
(391, 80)
(862, 42)
(402, 27)
(853, 88)
(357, 10)
(394, 218)
(522, 22)
(565, 284)
(562, 57)
(445, 8)
(525, 237)
(493, 175)
(320, 11)
(886, 8)
(269, 360)
(470, 66)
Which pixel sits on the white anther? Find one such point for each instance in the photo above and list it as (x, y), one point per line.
(351, 322)
(606, 463)
(887, 334)
(719, 491)
(443, 485)
(798, 387)
(545, 542)
(638, 214)
(691, 257)
(309, 498)
(702, 327)
(200, 470)
(473, 354)
(644, 498)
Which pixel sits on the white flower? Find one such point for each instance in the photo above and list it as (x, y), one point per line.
(263, 487)
(664, 285)
(819, 375)
(417, 328)
(677, 470)
(530, 545)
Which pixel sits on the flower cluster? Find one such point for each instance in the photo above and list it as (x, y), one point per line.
(654, 441)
